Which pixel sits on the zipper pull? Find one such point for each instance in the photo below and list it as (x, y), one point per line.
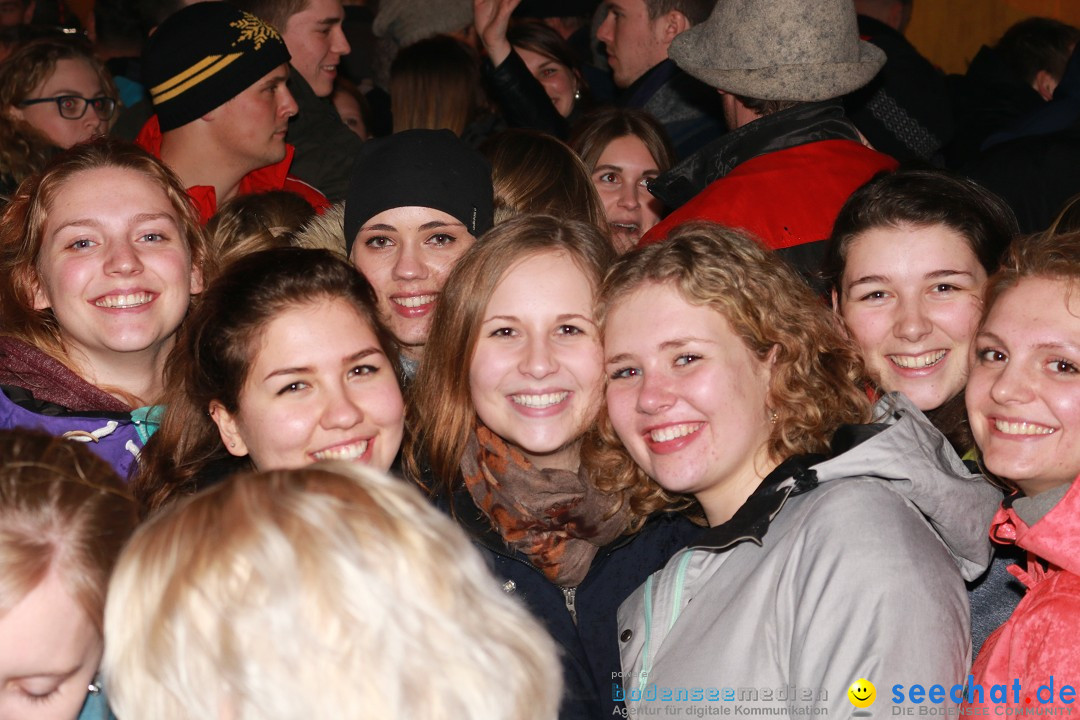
(570, 594)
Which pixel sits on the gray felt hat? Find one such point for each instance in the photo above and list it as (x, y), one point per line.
(804, 50)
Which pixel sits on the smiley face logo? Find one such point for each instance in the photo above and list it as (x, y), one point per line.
(862, 693)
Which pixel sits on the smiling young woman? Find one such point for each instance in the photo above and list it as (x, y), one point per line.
(1023, 399)
(100, 255)
(507, 440)
(729, 383)
(284, 362)
(417, 201)
(906, 265)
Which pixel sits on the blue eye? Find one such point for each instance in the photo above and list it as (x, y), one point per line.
(686, 359)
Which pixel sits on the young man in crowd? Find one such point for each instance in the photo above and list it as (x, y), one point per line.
(216, 76)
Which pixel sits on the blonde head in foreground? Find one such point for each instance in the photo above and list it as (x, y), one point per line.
(332, 591)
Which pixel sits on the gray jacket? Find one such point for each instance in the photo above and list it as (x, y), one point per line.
(834, 570)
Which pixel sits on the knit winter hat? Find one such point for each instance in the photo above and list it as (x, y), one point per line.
(205, 55)
(779, 50)
(409, 21)
(422, 168)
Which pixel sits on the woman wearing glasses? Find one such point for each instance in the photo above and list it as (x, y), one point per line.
(53, 94)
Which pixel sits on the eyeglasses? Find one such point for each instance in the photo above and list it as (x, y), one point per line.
(73, 107)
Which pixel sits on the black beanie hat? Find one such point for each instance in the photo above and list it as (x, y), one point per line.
(205, 55)
(423, 168)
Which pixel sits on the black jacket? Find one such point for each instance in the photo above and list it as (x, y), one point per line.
(589, 647)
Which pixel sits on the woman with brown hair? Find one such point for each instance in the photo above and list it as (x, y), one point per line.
(53, 94)
(283, 362)
(624, 149)
(536, 173)
(100, 254)
(837, 549)
(508, 440)
(533, 72)
(435, 85)
(65, 517)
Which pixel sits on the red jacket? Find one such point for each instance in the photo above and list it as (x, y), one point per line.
(265, 179)
(1042, 637)
(787, 197)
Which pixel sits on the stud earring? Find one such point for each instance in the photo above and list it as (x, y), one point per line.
(94, 688)
(772, 416)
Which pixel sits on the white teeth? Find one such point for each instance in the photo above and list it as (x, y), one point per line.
(415, 301)
(540, 401)
(124, 301)
(1022, 428)
(345, 452)
(918, 361)
(672, 432)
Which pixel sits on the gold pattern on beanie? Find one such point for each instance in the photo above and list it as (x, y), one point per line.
(255, 30)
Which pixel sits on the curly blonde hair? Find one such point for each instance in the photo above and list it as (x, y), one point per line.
(818, 375)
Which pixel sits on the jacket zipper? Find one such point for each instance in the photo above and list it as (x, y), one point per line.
(570, 594)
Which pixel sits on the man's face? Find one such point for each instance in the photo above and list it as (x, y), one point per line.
(251, 127)
(316, 42)
(635, 43)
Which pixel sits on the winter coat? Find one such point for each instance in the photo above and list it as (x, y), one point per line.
(905, 110)
(833, 570)
(690, 111)
(581, 619)
(325, 146)
(264, 179)
(782, 177)
(39, 393)
(1039, 640)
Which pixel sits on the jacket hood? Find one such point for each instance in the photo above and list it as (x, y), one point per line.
(914, 460)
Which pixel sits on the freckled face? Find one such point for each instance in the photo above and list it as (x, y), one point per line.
(1023, 397)
(687, 397)
(911, 298)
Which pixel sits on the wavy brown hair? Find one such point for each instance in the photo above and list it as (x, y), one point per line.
(22, 233)
(24, 150)
(817, 372)
(440, 412)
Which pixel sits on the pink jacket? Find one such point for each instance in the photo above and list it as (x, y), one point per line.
(1042, 637)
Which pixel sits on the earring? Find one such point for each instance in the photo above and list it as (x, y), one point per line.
(772, 416)
(233, 443)
(577, 94)
(94, 688)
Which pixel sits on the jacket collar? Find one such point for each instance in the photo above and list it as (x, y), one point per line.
(639, 92)
(750, 522)
(799, 125)
(1053, 537)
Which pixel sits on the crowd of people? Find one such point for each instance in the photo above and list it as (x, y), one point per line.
(553, 364)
